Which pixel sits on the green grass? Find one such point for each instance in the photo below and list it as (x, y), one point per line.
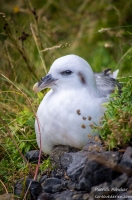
(35, 33)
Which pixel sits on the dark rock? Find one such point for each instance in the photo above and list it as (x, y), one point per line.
(120, 181)
(66, 160)
(88, 169)
(32, 156)
(92, 173)
(99, 168)
(71, 185)
(45, 196)
(129, 183)
(74, 163)
(43, 178)
(52, 185)
(126, 161)
(18, 187)
(34, 187)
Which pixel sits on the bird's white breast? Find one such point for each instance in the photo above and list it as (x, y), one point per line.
(64, 118)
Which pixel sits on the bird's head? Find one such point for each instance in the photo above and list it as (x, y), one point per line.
(66, 73)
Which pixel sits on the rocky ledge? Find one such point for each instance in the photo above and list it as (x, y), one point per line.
(92, 173)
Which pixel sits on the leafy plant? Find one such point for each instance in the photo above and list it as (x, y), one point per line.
(116, 125)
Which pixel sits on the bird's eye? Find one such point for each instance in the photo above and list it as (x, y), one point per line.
(67, 72)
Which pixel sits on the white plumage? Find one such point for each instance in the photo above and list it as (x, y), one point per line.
(73, 103)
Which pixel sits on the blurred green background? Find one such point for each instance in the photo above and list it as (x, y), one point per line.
(36, 32)
(73, 24)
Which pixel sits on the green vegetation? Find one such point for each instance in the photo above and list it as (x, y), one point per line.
(116, 125)
(35, 33)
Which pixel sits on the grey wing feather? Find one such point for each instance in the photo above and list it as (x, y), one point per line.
(105, 83)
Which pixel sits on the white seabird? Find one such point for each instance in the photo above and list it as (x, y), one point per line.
(73, 103)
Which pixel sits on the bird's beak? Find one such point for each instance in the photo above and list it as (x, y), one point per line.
(45, 82)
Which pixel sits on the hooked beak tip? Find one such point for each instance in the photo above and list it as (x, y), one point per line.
(46, 82)
(36, 88)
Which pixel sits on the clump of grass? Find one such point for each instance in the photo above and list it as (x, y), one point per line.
(17, 140)
(116, 125)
